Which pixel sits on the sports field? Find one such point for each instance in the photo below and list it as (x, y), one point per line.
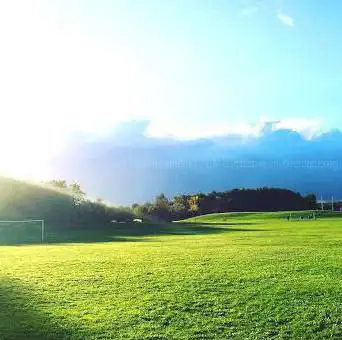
(242, 276)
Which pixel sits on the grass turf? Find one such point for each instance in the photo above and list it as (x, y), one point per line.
(244, 276)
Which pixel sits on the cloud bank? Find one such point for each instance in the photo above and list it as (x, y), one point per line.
(130, 165)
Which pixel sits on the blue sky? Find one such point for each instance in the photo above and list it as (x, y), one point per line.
(192, 68)
(223, 61)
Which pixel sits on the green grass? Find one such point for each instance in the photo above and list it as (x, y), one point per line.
(242, 276)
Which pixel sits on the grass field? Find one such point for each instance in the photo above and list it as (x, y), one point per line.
(242, 276)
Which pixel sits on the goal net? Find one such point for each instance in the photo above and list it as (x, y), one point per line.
(23, 231)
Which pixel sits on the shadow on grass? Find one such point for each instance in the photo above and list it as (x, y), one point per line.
(21, 315)
(125, 232)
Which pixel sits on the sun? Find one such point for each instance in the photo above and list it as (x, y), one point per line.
(27, 153)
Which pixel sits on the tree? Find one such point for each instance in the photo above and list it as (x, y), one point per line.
(312, 201)
(74, 189)
(77, 193)
(58, 183)
(194, 202)
(140, 211)
(180, 207)
(161, 207)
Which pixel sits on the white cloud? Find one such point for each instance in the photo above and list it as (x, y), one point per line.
(306, 127)
(309, 128)
(286, 19)
(196, 131)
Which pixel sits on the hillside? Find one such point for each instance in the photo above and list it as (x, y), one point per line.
(21, 200)
(24, 200)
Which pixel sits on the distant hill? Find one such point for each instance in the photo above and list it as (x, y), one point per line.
(24, 200)
(21, 200)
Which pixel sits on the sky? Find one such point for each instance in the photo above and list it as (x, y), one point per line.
(191, 68)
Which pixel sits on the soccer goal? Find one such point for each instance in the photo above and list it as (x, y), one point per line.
(302, 216)
(13, 231)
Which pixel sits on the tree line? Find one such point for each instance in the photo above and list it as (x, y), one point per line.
(260, 199)
(66, 204)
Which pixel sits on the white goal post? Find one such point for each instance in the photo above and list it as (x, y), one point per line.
(42, 223)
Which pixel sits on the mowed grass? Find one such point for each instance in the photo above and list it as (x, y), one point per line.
(242, 276)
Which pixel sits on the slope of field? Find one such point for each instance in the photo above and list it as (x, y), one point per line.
(239, 276)
(262, 216)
